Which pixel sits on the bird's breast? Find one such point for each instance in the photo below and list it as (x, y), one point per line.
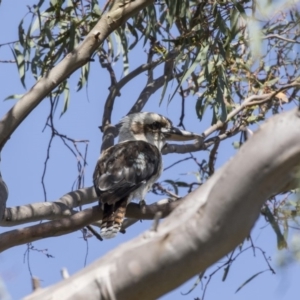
(140, 192)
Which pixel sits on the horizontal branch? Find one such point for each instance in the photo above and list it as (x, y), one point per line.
(48, 210)
(246, 103)
(209, 222)
(186, 148)
(49, 229)
(3, 196)
(277, 36)
(78, 220)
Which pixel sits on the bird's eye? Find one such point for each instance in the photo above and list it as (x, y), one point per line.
(155, 125)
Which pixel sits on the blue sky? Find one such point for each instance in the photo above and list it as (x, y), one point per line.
(22, 165)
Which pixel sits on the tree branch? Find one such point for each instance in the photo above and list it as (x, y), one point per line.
(110, 132)
(48, 210)
(66, 225)
(119, 13)
(50, 229)
(176, 148)
(246, 103)
(63, 206)
(277, 36)
(200, 144)
(115, 90)
(210, 222)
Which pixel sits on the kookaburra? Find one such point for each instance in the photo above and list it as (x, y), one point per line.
(128, 169)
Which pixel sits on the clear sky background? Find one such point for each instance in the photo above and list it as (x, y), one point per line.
(22, 163)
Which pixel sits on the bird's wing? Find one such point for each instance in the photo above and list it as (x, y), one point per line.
(123, 168)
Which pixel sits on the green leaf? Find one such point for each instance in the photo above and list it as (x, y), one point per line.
(84, 76)
(21, 33)
(240, 8)
(188, 71)
(281, 242)
(66, 97)
(124, 51)
(35, 63)
(173, 184)
(182, 184)
(234, 18)
(119, 45)
(250, 279)
(226, 271)
(183, 9)
(50, 38)
(200, 276)
(215, 115)
(41, 2)
(111, 49)
(220, 98)
(171, 14)
(134, 35)
(163, 92)
(20, 60)
(151, 22)
(192, 68)
(14, 96)
(236, 145)
(200, 109)
(72, 33)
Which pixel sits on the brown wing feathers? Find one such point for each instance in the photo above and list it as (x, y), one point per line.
(121, 170)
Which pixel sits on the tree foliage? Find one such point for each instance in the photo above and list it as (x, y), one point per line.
(237, 62)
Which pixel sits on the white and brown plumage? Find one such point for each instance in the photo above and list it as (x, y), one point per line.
(128, 169)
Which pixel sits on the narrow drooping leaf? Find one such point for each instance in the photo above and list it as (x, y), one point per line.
(20, 61)
(281, 242)
(83, 76)
(250, 279)
(200, 276)
(134, 35)
(226, 271)
(15, 96)
(173, 184)
(66, 92)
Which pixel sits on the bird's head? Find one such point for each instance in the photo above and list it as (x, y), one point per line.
(152, 128)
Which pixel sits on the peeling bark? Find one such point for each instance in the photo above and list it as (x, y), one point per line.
(210, 221)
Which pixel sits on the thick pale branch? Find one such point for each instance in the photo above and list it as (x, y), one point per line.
(211, 221)
(120, 12)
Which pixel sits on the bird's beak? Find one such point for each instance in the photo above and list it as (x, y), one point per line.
(175, 134)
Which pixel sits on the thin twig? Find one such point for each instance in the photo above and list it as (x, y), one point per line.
(277, 36)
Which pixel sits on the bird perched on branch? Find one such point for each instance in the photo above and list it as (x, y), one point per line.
(128, 169)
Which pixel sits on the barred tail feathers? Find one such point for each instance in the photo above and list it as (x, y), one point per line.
(113, 216)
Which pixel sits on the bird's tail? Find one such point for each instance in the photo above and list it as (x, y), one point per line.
(113, 216)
